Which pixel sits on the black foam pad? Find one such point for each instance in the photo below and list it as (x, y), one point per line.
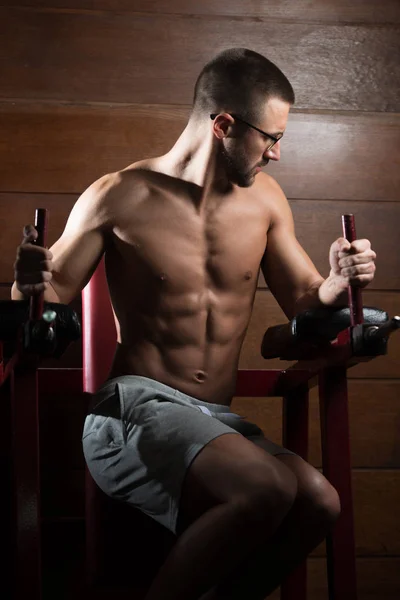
(15, 313)
(325, 323)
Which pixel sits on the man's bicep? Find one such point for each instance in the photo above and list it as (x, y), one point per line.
(79, 249)
(287, 268)
(75, 258)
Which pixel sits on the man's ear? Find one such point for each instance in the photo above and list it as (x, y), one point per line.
(222, 125)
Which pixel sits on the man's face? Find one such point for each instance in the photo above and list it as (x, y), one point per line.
(246, 151)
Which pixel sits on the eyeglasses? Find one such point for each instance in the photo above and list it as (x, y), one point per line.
(273, 139)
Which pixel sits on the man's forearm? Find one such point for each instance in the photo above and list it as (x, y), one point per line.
(326, 292)
(50, 294)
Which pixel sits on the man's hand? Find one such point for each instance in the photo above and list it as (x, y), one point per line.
(351, 264)
(33, 266)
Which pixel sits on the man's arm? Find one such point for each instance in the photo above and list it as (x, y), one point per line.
(291, 275)
(64, 270)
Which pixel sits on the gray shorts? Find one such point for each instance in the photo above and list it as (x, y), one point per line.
(141, 437)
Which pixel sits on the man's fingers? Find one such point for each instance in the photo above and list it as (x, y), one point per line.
(32, 289)
(341, 245)
(30, 253)
(359, 246)
(358, 270)
(348, 260)
(33, 278)
(30, 234)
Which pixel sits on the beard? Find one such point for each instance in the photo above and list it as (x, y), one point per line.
(236, 166)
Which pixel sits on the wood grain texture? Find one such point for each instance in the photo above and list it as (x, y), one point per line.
(377, 579)
(336, 11)
(374, 412)
(62, 148)
(340, 156)
(153, 58)
(377, 520)
(318, 224)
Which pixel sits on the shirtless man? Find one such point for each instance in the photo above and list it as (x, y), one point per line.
(184, 236)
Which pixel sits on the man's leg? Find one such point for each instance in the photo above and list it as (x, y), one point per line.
(313, 514)
(234, 497)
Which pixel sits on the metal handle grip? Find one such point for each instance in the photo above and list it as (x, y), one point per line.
(41, 223)
(355, 298)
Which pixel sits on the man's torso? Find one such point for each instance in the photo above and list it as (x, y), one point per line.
(182, 276)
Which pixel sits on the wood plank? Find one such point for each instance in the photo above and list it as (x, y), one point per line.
(64, 148)
(374, 412)
(376, 498)
(81, 143)
(318, 224)
(266, 313)
(339, 164)
(336, 11)
(153, 58)
(377, 518)
(377, 579)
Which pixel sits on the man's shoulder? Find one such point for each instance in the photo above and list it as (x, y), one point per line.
(273, 198)
(269, 191)
(135, 175)
(112, 187)
(268, 184)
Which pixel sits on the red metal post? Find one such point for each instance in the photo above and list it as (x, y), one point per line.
(41, 223)
(295, 438)
(25, 458)
(26, 482)
(336, 462)
(355, 300)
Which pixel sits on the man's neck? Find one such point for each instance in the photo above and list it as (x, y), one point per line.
(193, 158)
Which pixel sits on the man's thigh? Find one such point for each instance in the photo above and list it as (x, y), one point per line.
(226, 468)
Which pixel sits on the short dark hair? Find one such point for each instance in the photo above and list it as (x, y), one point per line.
(239, 81)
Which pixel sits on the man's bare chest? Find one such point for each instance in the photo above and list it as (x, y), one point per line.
(222, 248)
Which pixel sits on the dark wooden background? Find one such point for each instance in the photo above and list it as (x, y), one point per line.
(89, 86)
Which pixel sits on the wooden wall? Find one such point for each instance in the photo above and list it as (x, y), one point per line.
(89, 86)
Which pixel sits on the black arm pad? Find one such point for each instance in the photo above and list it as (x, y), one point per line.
(325, 323)
(315, 326)
(15, 313)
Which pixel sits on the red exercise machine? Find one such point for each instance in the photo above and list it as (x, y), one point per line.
(324, 342)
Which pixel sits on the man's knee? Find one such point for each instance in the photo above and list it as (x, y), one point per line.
(317, 498)
(271, 490)
(322, 499)
(327, 501)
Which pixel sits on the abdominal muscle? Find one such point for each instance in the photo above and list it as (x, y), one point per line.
(190, 345)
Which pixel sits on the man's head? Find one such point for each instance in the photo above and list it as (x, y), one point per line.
(249, 100)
